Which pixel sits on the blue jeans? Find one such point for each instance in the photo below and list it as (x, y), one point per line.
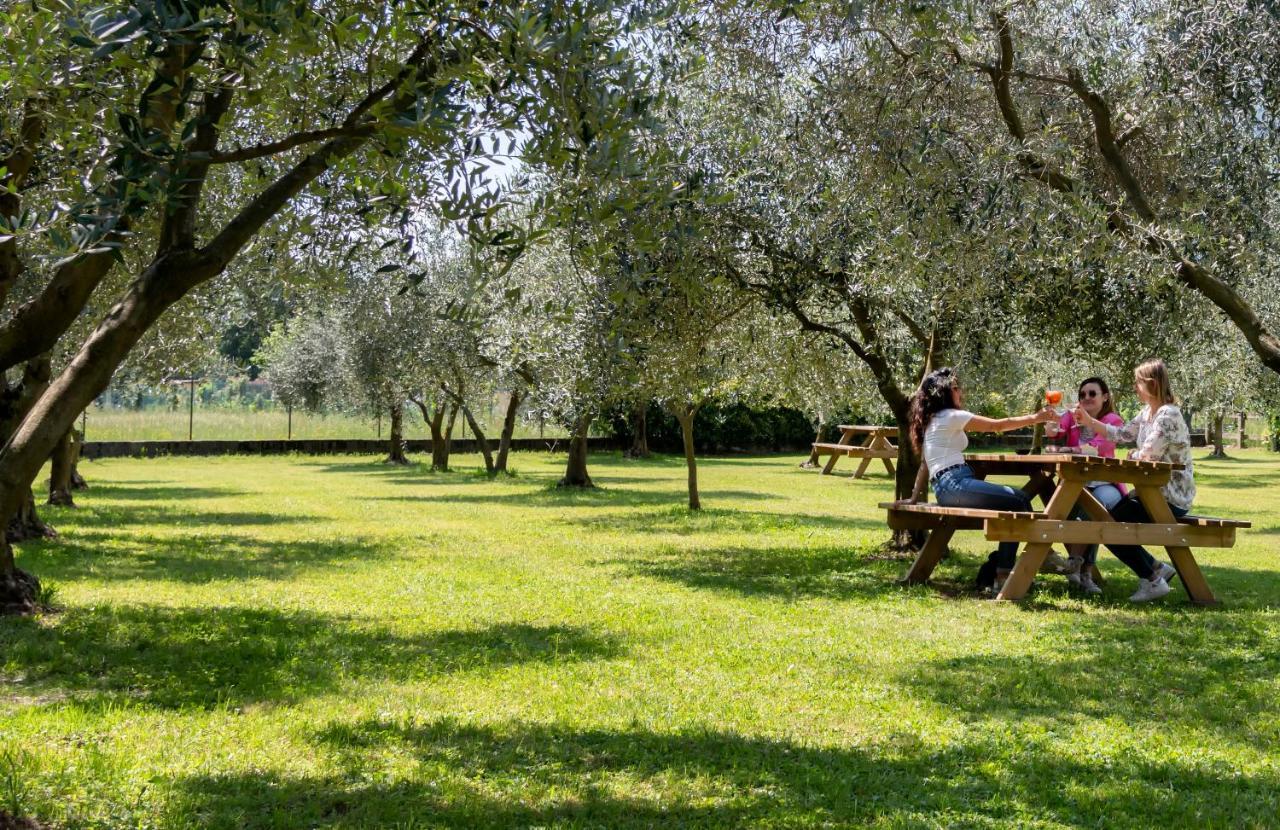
(957, 487)
(1110, 496)
(1135, 556)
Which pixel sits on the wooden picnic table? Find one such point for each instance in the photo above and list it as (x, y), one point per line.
(874, 444)
(1059, 480)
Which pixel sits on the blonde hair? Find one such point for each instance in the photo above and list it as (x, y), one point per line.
(1154, 376)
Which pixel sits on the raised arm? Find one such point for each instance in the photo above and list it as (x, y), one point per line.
(1123, 434)
(980, 424)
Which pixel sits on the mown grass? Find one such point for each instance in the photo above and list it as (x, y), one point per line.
(329, 642)
(244, 424)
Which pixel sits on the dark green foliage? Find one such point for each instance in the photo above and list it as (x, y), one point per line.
(721, 428)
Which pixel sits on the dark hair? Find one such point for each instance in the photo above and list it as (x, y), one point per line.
(1107, 408)
(936, 393)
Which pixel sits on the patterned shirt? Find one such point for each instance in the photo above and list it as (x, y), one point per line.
(1162, 437)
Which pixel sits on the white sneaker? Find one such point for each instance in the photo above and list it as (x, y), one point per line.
(1165, 571)
(1149, 589)
(1085, 583)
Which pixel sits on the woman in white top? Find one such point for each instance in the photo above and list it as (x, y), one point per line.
(1161, 435)
(938, 423)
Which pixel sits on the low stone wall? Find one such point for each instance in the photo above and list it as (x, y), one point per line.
(318, 446)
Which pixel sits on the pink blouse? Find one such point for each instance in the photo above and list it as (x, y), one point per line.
(1077, 435)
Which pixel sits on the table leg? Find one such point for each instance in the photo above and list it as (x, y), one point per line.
(929, 556)
(866, 460)
(1028, 565)
(846, 438)
(1183, 560)
(883, 443)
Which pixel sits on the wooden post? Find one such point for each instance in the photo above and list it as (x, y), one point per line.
(191, 411)
(1241, 438)
(289, 409)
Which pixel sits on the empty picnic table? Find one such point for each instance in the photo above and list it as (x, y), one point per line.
(874, 444)
(1060, 481)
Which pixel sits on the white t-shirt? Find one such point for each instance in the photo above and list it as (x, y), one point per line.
(945, 439)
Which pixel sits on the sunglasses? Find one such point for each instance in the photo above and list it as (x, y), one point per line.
(1092, 393)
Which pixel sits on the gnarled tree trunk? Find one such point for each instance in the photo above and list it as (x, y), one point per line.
(62, 462)
(685, 415)
(508, 429)
(575, 473)
(395, 446)
(1215, 429)
(1241, 438)
(812, 461)
(639, 432)
(481, 442)
(77, 480)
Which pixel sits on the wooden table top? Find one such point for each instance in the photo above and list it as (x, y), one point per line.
(1057, 459)
(866, 428)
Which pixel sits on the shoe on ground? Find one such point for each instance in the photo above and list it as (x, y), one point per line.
(1084, 581)
(1149, 589)
(1165, 571)
(1055, 563)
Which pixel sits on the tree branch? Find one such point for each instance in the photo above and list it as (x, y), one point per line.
(272, 148)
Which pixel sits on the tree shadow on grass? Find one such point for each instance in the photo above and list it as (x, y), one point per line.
(107, 555)
(678, 519)
(94, 515)
(152, 490)
(834, 571)
(208, 657)
(535, 775)
(1176, 670)
(552, 496)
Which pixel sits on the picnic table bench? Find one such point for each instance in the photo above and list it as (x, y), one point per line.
(1059, 480)
(874, 444)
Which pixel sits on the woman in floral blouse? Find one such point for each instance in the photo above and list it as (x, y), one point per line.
(1161, 435)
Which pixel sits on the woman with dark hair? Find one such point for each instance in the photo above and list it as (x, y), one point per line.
(938, 422)
(1095, 397)
(1161, 435)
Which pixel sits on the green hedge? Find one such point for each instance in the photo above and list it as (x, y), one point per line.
(721, 428)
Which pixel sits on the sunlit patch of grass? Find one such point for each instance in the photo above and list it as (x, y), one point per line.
(331, 642)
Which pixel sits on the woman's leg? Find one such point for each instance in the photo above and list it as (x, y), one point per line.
(1129, 509)
(963, 490)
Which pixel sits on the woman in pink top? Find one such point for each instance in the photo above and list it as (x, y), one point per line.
(1095, 397)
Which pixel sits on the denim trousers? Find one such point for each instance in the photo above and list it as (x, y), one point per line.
(1109, 495)
(1135, 556)
(957, 487)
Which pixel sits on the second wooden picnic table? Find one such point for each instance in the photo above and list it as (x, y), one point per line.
(1060, 480)
(874, 444)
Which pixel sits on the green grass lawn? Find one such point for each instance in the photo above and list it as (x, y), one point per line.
(329, 642)
(244, 424)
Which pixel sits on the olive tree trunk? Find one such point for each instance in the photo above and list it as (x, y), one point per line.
(685, 415)
(818, 438)
(77, 480)
(1241, 438)
(395, 446)
(61, 465)
(639, 432)
(575, 473)
(481, 441)
(508, 430)
(1215, 429)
